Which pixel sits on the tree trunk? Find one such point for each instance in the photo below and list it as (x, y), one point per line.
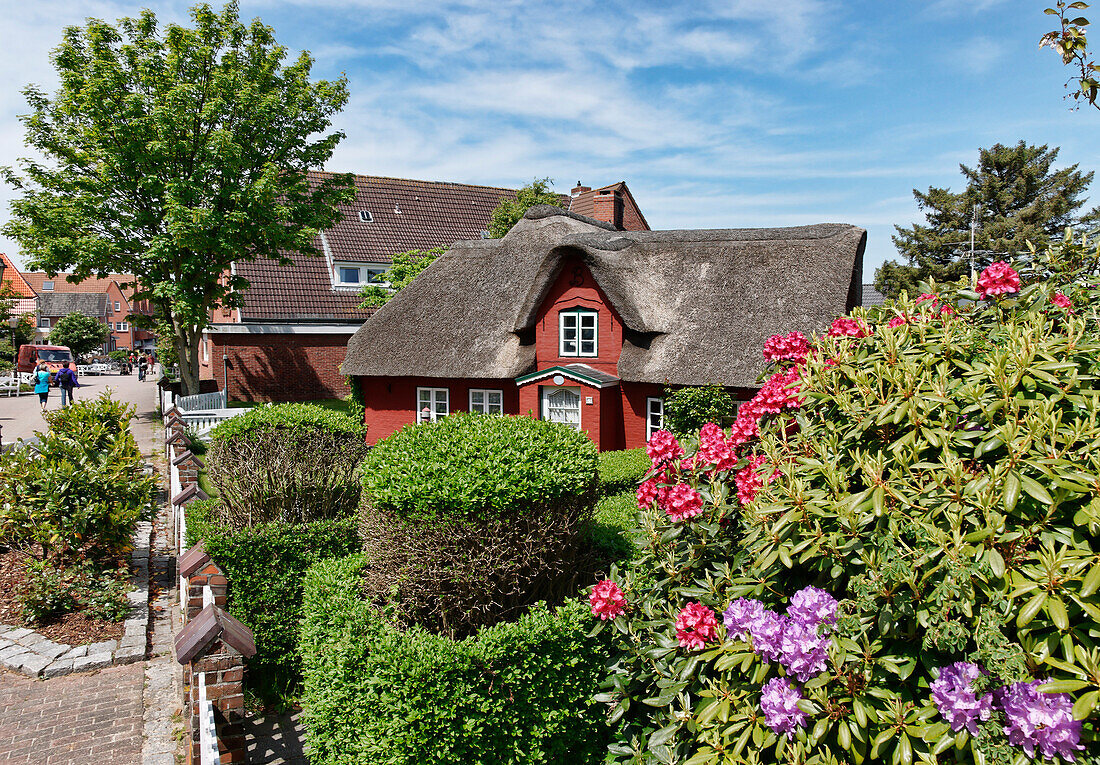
(186, 338)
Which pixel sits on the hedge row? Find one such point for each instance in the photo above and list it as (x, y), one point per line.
(265, 565)
(622, 471)
(518, 692)
(288, 416)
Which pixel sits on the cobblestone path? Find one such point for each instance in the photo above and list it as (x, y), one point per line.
(72, 720)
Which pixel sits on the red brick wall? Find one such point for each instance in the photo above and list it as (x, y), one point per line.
(391, 402)
(575, 288)
(271, 367)
(634, 397)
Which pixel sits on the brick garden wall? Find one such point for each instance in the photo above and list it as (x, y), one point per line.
(270, 367)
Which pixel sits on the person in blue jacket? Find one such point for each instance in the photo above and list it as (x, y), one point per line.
(42, 384)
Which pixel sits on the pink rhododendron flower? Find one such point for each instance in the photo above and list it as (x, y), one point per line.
(1062, 301)
(928, 296)
(663, 447)
(778, 393)
(648, 493)
(748, 481)
(682, 502)
(715, 449)
(696, 626)
(607, 600)
(744, 429)
(844, 326)
(999, 279)
(897, 321)
(791, 347)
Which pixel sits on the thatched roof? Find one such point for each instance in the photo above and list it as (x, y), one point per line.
(697, 305)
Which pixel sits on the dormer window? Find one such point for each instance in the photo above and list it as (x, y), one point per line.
(365, 216)
(578, 331)
(357, 274)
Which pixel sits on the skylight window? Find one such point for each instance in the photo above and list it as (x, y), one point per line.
(365, 216)
(47, 286)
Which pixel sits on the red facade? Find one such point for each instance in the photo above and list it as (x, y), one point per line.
(574, 378)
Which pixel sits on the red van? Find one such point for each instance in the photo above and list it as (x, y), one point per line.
(55, 356)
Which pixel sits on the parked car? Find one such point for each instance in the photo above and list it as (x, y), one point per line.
(55, 356)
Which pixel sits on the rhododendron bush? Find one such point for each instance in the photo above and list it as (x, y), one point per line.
(893, 555)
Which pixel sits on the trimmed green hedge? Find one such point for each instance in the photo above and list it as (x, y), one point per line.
(513, 693)
(288, 416)
(265, 565)
(472, 466)
(614, 524)
(622, 471)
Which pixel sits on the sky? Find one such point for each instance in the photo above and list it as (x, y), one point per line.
(730, 114)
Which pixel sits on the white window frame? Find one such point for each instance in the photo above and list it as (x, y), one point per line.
(577, 314)
(367, 273)
(43, 322)
(650, 428)
(436, 399)
(486, 406)
(47, 286)
(123, 327)
(118, 306)
(206, 350)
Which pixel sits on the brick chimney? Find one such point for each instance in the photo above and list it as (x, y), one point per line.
(608, 207)
(579, 189)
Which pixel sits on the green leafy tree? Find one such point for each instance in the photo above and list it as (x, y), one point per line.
(1071, 43)
(508, 212)
(1020, 199)
(82, 334)
(405, 267)
(689, 409)
(172, 154)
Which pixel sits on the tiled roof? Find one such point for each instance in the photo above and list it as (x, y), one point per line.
(61, 284)
(871, 296)
(406, 215)
(585, 202)
(14, 279)
(87, 303)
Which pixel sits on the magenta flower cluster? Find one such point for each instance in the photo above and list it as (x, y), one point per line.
(779, 702)
(1037, 721)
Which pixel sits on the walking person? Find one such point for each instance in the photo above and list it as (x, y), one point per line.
(141, 369)
(42, 384)
(67, 381)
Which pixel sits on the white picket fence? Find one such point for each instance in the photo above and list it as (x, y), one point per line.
(215, 400)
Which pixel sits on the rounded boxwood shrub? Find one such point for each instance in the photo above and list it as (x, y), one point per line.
(622, 470)
(469, 520)
(515, 693)
(288, 462)
(689, 409)
(893, 554)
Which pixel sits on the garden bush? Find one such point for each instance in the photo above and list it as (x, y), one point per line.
(470, 520)
(84, 491)
(291, 462)
(49, 592)
(689, 409)
(622, 471)
(265, 565)
(515, 693)
(893, 554)
(613, 525)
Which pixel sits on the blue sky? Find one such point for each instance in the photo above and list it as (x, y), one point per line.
(717, 114)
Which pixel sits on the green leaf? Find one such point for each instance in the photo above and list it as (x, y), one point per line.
(1035, 489)
(1012, 491)
(1027, 613)
(1091, 582)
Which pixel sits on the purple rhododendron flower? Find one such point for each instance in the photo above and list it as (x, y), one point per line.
(803, 652)
(742, 616)
(958, 704)
(1042, 721)
(779, 701)
(767, 635)
(813, 606)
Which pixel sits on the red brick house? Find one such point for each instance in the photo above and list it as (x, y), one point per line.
(569, 319)
(109, 299)
(289, 340)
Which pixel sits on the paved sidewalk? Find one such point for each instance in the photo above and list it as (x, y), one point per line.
(73, 720)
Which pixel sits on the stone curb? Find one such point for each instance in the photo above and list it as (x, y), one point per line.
(26, 651)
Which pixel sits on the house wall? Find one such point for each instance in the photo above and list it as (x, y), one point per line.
(391, 402)
(119, 340)
(575, 288)
(273, 367)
